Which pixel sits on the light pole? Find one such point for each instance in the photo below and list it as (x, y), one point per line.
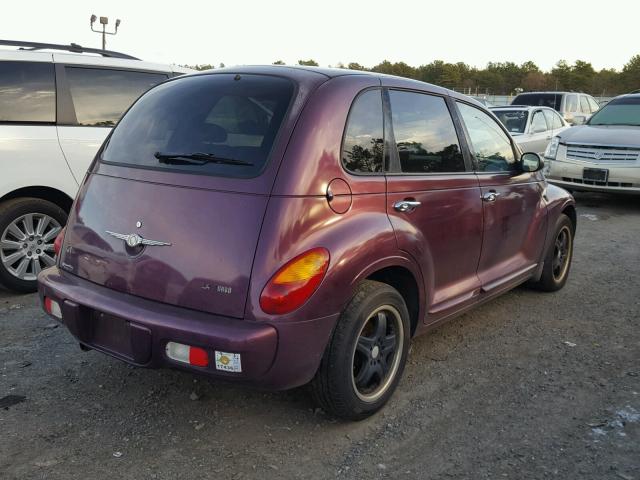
(104, 21)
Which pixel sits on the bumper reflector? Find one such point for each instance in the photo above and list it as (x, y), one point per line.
(187, 354)
(52, 308)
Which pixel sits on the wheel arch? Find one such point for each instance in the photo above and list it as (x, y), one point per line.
(401, 274)
(53, 195)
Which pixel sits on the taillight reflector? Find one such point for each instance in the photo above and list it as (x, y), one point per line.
(295, 282)
(187, 354)
(52, 307)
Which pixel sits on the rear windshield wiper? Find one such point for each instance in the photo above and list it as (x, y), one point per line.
(197, 158)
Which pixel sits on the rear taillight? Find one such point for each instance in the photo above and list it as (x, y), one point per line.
(295, 282)
(57, 244)
(187, 354)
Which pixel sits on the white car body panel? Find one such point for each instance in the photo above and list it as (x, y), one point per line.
(79, 146)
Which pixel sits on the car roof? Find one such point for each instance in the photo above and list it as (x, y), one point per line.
(521, 107)
(300, 72)
(86, 59)
(551, 93)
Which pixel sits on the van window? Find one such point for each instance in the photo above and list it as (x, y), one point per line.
(584, 104)
(363, 145)
(214, 124)
(551, 100)
(489, 143)
(594, 105)
(425, 136)
(571, 103)
(27, 92)
(100, 96)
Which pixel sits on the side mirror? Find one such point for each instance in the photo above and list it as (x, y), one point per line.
(531, 162)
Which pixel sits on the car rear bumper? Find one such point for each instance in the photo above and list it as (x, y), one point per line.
(137, 330)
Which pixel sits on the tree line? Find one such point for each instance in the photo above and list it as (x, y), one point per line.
(507, 78)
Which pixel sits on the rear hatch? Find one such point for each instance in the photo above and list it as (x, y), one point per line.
(173, 209)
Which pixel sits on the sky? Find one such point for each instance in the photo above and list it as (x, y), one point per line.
(241, 32)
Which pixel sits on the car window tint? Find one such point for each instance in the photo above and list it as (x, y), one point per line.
(27, 92)
(490, 145)
(571, 103)
(101, 96)
(538, 123)
(363, 145)
(593, 104)
(551, 100)
(584, 105)
(425, 136)
(228, 122)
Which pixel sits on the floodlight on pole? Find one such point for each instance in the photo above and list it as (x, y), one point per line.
(104, 21)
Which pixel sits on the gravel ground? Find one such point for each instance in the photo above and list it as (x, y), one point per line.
(531, 385)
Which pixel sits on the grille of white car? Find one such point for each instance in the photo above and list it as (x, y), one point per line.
(601, 153)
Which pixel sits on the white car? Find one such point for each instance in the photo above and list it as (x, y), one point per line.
(531, 127)
(604, 154)
(56, 109)
(575, 108)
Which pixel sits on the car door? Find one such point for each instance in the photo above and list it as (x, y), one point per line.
(433, 198)
(539, 134)
(513, 205)
(91, 100)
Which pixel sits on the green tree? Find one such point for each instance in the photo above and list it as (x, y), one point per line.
(631, 74)
(308, 63)
(278, 62)
(355, 66)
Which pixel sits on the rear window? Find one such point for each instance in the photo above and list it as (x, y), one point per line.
(514, 120)
(221, 124)
(551, 100)
(27, 92)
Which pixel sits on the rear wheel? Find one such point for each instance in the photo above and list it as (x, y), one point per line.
(557, 261)
(28, 228)
(364, 360)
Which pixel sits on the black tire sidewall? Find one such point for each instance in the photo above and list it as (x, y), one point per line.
(340, 354)
(548, 281)
(13, 209)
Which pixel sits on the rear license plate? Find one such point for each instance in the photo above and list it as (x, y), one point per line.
(595, 174)
(112, 333)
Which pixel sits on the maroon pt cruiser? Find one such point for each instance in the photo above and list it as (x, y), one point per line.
(282, 225)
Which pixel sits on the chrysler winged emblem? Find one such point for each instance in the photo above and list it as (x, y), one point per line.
(133, 240)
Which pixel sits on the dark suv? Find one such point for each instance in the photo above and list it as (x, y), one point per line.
(279, 226)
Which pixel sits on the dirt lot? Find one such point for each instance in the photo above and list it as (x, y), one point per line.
(529, 386)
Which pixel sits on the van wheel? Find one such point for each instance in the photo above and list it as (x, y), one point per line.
(28, 228)
(557, 260)
(366, 355)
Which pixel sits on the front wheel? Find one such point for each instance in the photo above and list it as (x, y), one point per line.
(557, 261)
(364, 360)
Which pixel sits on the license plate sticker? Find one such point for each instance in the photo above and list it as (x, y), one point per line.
(228, 362)
(595, 174)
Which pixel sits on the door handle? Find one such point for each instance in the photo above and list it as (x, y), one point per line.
(406, 205)
(490, 196)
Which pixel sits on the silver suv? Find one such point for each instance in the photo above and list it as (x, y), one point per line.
(575, 108)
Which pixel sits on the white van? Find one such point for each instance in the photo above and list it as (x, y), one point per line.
(56, 109)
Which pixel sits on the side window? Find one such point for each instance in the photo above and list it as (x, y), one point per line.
(538, 123)
(425, 136)
(571, 103)
(491, 146)
(363, 144)
(27, 92)
(553, 119)
(101, 96)
(593, 104)
(584, 104)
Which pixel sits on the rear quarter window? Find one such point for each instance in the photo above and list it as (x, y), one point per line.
(27, 92)
(363, 144)
(215, 124)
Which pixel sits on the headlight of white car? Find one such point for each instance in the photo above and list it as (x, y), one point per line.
(552, 148)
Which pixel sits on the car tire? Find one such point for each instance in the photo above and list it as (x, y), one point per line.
(557, 260)
(18, 249)
(366, 354)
